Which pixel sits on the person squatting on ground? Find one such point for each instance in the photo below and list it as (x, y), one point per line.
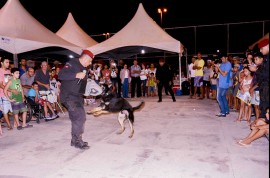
(16, 100)
(73, 79)
(259, 128)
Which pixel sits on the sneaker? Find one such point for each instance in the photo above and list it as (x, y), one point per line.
(221, 115)
(55, 116)
(48, 118)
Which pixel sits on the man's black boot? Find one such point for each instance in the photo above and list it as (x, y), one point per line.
(81, 144)
(74, 139)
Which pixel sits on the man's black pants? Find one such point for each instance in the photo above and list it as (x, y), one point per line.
(166, 86)
(77, 116)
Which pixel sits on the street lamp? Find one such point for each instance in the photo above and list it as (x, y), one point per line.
(161, 11)
(107, 35)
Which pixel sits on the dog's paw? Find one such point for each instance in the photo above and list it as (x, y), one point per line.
(120, 131)
(89, 112)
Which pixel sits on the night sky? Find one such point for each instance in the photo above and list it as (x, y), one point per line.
(97, 17)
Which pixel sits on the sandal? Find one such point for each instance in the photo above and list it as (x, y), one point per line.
(28, 126)
(243, 144)
(9, 128)
(20, 127)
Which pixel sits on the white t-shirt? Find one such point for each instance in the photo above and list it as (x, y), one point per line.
(143, 75)
(191, 71)
(206, 73)
(212, 80)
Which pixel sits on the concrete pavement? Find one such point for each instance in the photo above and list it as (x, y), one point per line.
(182, 139)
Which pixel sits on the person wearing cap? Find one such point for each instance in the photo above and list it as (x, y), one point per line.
(236, 83)
(223, 85)
(73, 77)
(262, 73)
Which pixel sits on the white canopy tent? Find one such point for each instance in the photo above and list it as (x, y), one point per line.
(73, 33)
(20, 32)
(142, 32)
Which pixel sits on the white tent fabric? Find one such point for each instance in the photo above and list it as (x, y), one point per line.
(73, 33)
(20, 32)
(142, 30)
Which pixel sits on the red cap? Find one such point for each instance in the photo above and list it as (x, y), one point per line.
(89, 53)
(263, 43)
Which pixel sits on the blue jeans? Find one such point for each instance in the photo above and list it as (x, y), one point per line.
(222, 101)
(125, 88)
(144, 86)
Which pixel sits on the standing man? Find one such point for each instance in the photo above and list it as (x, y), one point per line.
(163, 78)
(135, 71)
(23, 67)
(223, 84)
(73, 79)
(191, 76)
(120, 66)
(27, 80)
(198, 80)
(42, 77)
(5, 76)
(262, 74)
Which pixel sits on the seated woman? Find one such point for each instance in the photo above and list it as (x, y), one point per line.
(33, 93)
(259, 128)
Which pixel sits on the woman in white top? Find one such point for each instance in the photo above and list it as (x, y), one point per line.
(143, 77)
(125, 80)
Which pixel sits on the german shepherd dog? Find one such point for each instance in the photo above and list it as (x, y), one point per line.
(111, 104)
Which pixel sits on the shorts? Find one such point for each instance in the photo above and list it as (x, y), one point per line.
(213, 87)
(5, 105)
(152, 89)
(41, 101)
(18, 107)
(198, 81)
(49, 96)
(206, 83)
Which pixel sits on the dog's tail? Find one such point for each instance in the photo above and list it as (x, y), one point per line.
(139, 106)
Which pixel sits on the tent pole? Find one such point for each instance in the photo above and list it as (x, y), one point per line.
(180, 70)
(186, 63)
(15, 59)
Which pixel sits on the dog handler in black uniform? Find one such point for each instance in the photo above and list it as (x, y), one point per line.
(73, 79)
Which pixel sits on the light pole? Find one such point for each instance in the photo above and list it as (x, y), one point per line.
(107, 35)
(161, 11)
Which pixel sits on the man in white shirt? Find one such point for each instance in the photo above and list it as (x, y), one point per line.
(191, 76)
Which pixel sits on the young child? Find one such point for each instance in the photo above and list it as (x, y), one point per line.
(33, 93)
(244, 95)
(17, 100)
(152, 84)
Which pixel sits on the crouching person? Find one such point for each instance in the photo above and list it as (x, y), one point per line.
(259, 128)
(33, 94)
(17, 99)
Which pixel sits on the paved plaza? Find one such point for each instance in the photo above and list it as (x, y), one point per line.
(182, 139)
